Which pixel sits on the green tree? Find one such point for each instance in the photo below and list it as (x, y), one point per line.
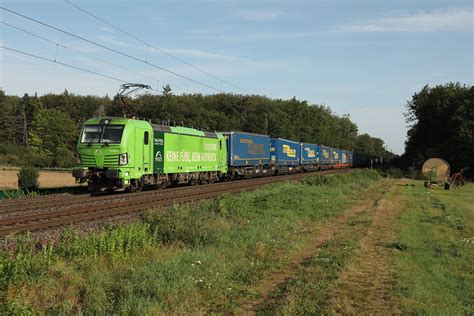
(167, 92)
(441, 122)
(51, 131)
(25, 113)
(8, 115)
(53, 121)
(370, 145)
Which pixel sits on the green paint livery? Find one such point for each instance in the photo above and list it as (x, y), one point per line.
(178, 153)
(118, 152)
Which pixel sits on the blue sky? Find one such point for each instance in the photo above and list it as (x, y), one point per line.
(366, 58)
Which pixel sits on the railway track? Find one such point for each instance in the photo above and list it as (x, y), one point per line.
(48, 212)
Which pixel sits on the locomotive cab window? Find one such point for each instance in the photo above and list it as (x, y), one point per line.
(91, 134)
(112, 134)
(146, 138)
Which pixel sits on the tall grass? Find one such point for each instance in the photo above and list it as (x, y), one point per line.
(115, 243)
(15, 194)
(24, 262)
(183, 259)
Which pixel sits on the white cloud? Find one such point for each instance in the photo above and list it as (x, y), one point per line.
(441, 20)
(260, 15)
(232, 36)
(271, 35)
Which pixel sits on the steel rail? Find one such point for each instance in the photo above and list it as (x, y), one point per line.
(46, 220)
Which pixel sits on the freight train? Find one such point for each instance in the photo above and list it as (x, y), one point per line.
(130, 154)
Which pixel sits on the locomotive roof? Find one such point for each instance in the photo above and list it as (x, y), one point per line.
(185, 131)
(156, 127)
(112, 120)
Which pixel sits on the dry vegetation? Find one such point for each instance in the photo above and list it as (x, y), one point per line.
(47, 179)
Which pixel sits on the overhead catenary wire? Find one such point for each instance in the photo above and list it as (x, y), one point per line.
(68, 65)
(62, 64)
(111, 49)
(148, 45)
(57, 44)
(33, 34)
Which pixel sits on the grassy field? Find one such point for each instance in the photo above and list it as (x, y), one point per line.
(434, 268)
(349, 243)
(47, 179)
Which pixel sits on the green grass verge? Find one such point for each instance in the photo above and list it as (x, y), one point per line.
(434, 267)
(182, 259)
(307, 294)
(6, 194)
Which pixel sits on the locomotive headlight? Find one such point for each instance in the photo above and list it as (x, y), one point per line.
(123, 159)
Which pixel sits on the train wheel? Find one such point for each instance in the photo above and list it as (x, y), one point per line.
(136, 186)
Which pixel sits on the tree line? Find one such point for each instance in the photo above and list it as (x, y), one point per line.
(441, 124)
(42, 130)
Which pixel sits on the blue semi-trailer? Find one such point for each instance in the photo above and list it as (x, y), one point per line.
(248, 154)
(325, 156)
(285, 155)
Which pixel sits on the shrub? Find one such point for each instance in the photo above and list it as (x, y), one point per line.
(394, 173)
(16, 155)
(360, 175)
(63, 158)
(320, 180)
(414, 173)
(28, 179)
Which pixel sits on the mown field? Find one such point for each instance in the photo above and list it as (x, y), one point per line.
(348, 243)
(47, 179)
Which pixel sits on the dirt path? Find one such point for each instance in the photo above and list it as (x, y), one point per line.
(363, 286)
(371, 201)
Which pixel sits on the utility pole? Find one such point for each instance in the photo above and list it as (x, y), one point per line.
(25, 127)
(266, 124)
(349, 118)
(348, 115)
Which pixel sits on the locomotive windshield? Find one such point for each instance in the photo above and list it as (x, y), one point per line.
(91, 134)
(110, 134)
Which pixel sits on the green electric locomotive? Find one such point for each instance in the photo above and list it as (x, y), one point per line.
(124, 153)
